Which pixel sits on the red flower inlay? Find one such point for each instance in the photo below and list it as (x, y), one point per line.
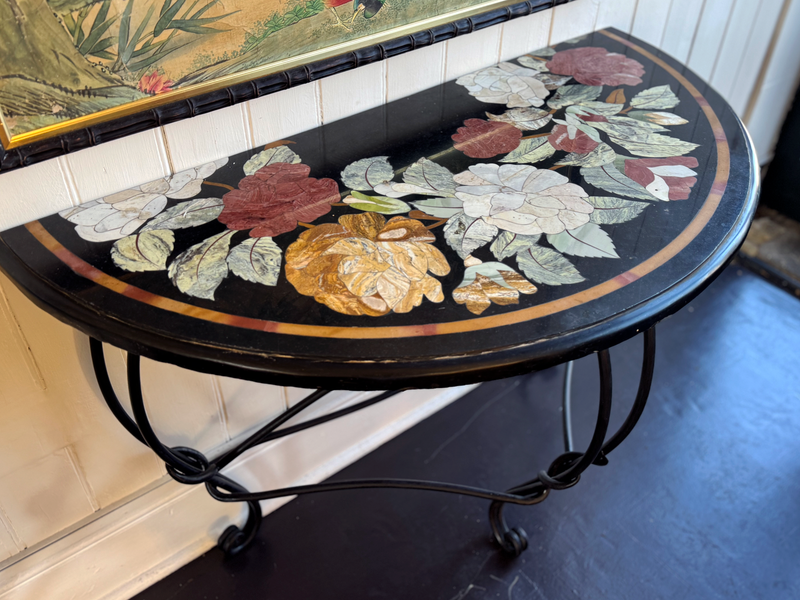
(675, 172)
(275, 198)
(155, 83)
(485, 139)
(596, 66)
(591, 118)
(581, 143)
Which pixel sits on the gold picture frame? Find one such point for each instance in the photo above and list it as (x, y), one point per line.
(100, 52)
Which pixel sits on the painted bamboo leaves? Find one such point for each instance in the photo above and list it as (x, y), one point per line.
(514, 225)
(136, 44)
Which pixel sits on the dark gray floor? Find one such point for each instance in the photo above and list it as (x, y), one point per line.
(702, 501)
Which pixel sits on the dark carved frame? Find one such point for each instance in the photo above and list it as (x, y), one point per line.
(169, 113)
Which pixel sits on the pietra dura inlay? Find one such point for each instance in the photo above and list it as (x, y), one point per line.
(524, 214)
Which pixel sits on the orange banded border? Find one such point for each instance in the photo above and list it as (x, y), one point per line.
(709, 207)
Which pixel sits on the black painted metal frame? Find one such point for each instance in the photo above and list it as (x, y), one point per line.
(93, 135)
(191, 467)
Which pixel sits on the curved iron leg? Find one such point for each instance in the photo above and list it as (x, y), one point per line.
(184, 464)
(564, 472)
(189, 466)
(566, 469)
(103, 380)
(186, 460)
(566, 407)
(645, 381)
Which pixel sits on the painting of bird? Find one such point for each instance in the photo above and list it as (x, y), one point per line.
(332, 4)
(369, 8)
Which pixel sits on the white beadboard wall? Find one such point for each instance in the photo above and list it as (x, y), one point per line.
(87, 511)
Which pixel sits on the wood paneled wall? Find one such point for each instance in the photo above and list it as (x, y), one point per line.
(62, 456)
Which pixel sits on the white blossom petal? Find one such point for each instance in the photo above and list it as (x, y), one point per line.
(545, 201)
(515, 176)
(506, 201)
(476, 206)
(672, 171)
(152, 208)
(131, 226)
(466, 178)
(516, 223)
(479, 190)
(575, 204)
(573, 220)
(90, 235)
(507, 84)
(189, 190)
(538, 211)
(488, 173)
(551, 225)
(136, 203)
(205, 170)
(567, 189)
(543, 179)
(658, 188)
(100, 221)
(180, 179)
(93, 215)
(159, 186)
(114, 221)
(523, 199)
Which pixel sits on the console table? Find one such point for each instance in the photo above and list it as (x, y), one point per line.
(519, 217)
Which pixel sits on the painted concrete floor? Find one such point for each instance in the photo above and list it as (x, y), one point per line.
(702, 501)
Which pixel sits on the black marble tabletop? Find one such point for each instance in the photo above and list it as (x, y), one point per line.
(527, 213)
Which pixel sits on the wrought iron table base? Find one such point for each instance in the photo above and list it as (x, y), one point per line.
(191, 467)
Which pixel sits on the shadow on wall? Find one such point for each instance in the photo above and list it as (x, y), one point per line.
(781, 188)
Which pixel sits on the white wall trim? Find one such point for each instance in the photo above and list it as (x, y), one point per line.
(121, 551)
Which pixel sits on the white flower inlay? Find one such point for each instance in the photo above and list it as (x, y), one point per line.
(118, 215)
(507, 84)
(522, 199)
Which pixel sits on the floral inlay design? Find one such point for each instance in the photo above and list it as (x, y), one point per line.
(488, 283)
(548, 171)
(522, 199)
(507, 84)
(665, 178)
(485, 139)
(118, 215)
(572, 139)
(366, 265)
(596, 66)
(275, 198)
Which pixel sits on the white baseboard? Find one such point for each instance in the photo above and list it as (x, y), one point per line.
(121, 551)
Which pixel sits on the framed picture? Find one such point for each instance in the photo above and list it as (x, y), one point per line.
(74, 73)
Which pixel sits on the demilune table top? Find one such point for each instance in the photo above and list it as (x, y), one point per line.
(517, 217)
